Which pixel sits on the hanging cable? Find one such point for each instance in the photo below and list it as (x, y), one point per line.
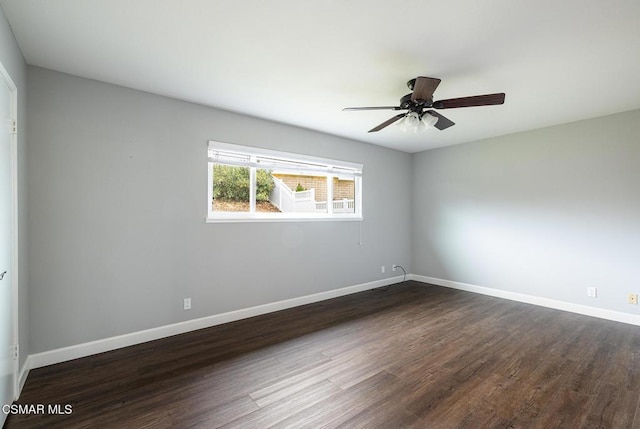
(404, 279)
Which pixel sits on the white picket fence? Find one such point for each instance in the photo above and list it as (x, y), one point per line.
(339, 206)
(288, 200)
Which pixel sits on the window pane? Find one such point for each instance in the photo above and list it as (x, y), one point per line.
(344, 191)
(255, 184)
(265, 192)
(299, 193)
(231, 188)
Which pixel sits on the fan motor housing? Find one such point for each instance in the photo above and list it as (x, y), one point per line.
(407, 103)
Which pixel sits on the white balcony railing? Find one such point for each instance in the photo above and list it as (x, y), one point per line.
(288, 200)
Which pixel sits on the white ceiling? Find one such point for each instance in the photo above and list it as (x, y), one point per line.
(301, 61)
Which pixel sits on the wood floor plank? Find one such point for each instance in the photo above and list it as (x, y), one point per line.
(613, 407)
(199, 414)
(412, 356)
(429, 402)
(566, 409)
(278, 410)
(342, 367)
(338, 409)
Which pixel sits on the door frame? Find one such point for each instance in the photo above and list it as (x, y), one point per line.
(13, 106)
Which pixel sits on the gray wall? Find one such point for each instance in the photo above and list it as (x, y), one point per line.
(118, 203)
(117, 238)
(12, 60)
(547, 213)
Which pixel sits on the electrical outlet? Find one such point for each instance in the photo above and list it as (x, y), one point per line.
(187, 303)
(382, 269)
(632, 298)
(592, 292)
(394, 267)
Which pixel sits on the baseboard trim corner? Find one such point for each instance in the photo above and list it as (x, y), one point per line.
(585, 310)
(22, 376)
(64, 354)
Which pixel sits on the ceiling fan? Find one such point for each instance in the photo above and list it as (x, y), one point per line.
(422, 98)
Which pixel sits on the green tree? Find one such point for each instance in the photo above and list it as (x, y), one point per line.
(232, 183)
(264, 185)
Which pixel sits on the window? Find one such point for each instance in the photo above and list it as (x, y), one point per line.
(252, 184)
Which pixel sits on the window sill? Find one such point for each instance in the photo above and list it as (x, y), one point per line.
(280, 218)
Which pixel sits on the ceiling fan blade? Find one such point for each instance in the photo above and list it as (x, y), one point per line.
(374, 108)
(387, 123)
(443, 122)
(476, 100)
(424, 87)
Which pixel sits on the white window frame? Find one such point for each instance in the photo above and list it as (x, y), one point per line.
(331, 167)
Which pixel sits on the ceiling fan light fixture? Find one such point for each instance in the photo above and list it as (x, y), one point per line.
(410, 123)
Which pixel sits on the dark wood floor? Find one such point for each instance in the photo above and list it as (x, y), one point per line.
(414, 356)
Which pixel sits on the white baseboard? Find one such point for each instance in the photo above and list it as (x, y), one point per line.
(23, 374)
(586, 310)
(51, 357)
(64, 354)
